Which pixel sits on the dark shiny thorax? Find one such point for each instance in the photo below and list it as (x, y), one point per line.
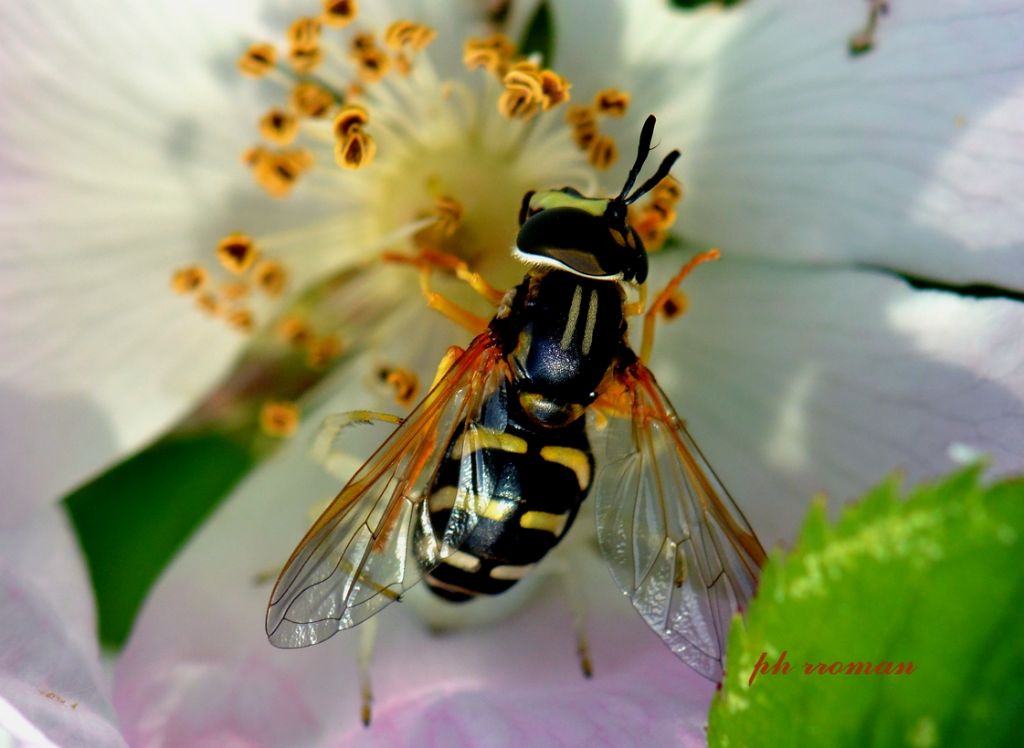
(562, 333)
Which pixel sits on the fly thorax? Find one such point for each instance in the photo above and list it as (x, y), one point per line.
(567, 333)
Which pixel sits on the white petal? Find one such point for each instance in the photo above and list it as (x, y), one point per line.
(121, 136)
(796, 381)
(50, 676)
(908, 156)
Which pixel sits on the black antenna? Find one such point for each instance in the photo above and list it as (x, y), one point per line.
(650, 184)
(646, 135)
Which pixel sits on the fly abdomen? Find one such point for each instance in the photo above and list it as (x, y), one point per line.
(526, 488)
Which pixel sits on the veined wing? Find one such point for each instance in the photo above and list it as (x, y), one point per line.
(676, 542)
(360, 555)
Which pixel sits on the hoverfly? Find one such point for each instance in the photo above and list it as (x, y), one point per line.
(488, 472)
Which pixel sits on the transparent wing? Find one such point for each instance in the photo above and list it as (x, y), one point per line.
(676, 543)
(375, 540)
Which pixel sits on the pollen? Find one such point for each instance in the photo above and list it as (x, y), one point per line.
(653, 220)
(295, 332)
(602, 152)
(321, 351)
(279, 418)
(312, 100)
(189, 279)
(279, 126)
(236, 253)
(270, 277)
(258, 60)
(612, 102)
(339, 13)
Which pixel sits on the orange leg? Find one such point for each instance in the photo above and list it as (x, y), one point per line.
(429, 260)
(662, 299)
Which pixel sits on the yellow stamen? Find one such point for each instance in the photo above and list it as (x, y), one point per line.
(491, 53)
(555, 88)
(305, 60)
(373, 65)
(279, 126)
(526, 76)
(449, 213)
(241, 319)
(209, 303)
(401, 34)
(277, 173)
(189, 279)
(295, 332)
(311, 100)
(304, 33)
(271, 277)
(356, 150)
(675, 305)
(612, 102)
(236, 252)
(349, 116)
(517, 103)
(602, 152)
(279, 418)
(338, 13)
(363, 43)
(322, 351)
(233, 291)
(403, 383)
(258, 60)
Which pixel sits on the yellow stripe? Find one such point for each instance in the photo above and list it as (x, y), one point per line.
(511, 572)
(482, 506)
(588, 332)
(574, 316)
(481, 438)
(462, 560)
(572, 458)
(546, 521)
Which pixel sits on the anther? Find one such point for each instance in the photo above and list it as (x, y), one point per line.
(236, 253)
(279, 418)
(234, 290)
(349, 116)
(311, 100)
(403, 383)
(304, 33)
(356, 150)
(491, 53)
(189, 279)
(602, 152)
(401, 34)
(209, 304)
(555, 88)
(517, 103)
(279, 126)
(449, 213)
(241, 319)
(295, 332)
(373, 65)
(258, 60)
(339, 13)
(612, 102)
(321, 351)
(271, 277)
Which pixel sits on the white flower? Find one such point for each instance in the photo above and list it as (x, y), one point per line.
(804, 362)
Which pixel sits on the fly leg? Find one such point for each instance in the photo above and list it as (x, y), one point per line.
(429, 260)
(577, 609)
(338, 462)
(367, 638)
(664, 300)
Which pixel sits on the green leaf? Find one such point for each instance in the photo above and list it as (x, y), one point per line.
(133, 518)
(539, 35)
(936, 580)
